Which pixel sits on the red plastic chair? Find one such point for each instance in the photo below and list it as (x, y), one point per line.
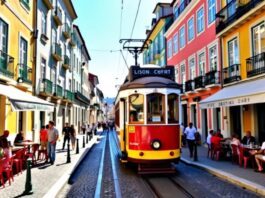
(9, 171)
(242, 157)
(1, 172)
(216, 151)
(235, 156)
(35, 149)
(18, 161)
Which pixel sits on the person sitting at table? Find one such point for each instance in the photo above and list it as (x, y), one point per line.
(235, 140)
(216, 139)
(19, 137)
(259, 157)
(7, 153)
(3, 138)
(248, 138)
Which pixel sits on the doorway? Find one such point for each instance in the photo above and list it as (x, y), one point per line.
(204, 124)
(194, 115)
(235, 120)
(42, 118)
(20, 121)
(184, 115)
(261, 123)
(217, 119)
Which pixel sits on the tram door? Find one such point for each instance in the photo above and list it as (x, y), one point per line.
(122, 123)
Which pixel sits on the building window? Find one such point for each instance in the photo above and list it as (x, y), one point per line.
(182, 40)
(43, 23)
(213, 58)
(169, 48)
(23, 55)
(192, 68)
(53, 75)
(173, 108)
(43, 68)
(155, 108)
(211, 11)
(3, 40)
(162, 40)
(70, 85)
(136, 108)
(200, 20)
(183, 73)
(176, 45)
(191, 29)
(233, 55)
(176, 74)
(201, 59)
(258, 34)
(25, 3)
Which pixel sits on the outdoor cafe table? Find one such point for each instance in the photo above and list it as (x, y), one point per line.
(24, 144)
(16, 148)
(248, 147)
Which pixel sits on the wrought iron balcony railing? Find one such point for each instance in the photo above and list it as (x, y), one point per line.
(46, 87)
(6, 65)
(68, 95)
(232, 73)
(24, 74)
(181, 8)
(59, 91)
(256, 65)
(189, 85)
(199, 82)
(212, 78)
(233, 11)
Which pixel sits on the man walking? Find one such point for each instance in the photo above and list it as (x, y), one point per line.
(190, 136)
(53, 135)
(66, 133)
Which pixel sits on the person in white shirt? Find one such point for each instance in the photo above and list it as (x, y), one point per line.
(208, 140)
(190, 136)
(260, 157)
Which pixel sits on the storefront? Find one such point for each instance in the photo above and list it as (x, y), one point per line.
(243, 108)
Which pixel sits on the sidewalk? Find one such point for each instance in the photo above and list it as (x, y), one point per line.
(47, 180)
(246, 178)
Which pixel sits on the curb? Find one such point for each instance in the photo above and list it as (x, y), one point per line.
(252, 186)
(56, 188)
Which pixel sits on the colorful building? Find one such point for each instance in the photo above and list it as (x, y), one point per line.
(241, 28)
(194, 50)
(156, 53)
(17, 68)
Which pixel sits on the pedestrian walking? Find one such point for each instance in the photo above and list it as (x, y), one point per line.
(53, 135)
(66, 133)
(83, 127)
(73, 136)
(44, 140)
(190, 136)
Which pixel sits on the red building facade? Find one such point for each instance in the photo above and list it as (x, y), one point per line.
(194, 50)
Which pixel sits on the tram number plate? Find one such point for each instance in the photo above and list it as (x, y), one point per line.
(131, 129)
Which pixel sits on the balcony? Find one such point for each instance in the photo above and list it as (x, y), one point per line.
(79, 96)
(46, 87)
(48, 4)
(57, 16)
(256, 65)
(66, 62)
(199, 82)
(68, 95)
(212, 78)
(57, 52)
(233, 11)
(66, 31)
(73, 40)
(58, 92)
(189, 85)
(231, 73)
(6, 66)
(24, 74)
(181, 8)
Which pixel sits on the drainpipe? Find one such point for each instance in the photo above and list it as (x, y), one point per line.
(35, 52)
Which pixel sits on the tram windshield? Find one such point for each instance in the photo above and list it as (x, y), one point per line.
(173, 108)
(136, 109)
(156, 108)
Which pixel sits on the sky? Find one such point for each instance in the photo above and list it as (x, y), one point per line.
(99, 22)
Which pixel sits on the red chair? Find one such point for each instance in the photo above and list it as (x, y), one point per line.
(35, 149)
(216, 151)
(242, 157)
(1, 172)
(8, 170)
(18, 160)
(235, 156)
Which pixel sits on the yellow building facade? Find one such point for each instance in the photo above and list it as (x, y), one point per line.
(16, 62)
(241, 28)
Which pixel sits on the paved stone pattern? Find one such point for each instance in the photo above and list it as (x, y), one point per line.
(84, 179)
(44, 176)
(107, 189)
(131, 184)
(202, 184)
(227, 166)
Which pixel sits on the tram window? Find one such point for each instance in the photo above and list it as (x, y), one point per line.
(173, 108)
(155, 108)
(136, 109)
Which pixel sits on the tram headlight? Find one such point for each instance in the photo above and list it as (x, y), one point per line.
(156, 144)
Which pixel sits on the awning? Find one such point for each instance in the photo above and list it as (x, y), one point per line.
(21, 101)
(250, 92)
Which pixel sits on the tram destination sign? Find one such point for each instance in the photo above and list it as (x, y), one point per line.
(165, 72)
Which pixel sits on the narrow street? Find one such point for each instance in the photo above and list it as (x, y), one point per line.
(91, 179)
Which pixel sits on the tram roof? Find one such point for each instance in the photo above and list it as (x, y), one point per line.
(150, 82)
